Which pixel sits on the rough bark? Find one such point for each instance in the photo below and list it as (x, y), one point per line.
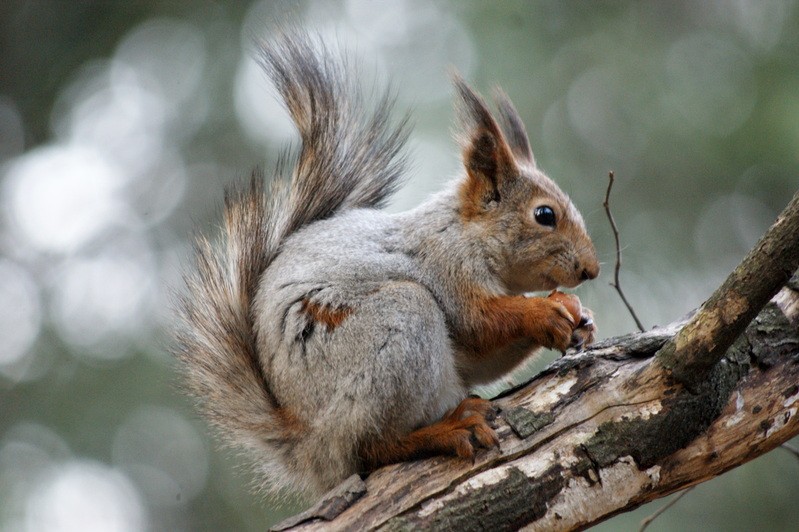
(604, 431)
(694, 352)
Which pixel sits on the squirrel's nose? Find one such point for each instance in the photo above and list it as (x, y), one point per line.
(589, 273)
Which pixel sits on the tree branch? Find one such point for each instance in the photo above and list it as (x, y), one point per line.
(700, 345)
(604, 431)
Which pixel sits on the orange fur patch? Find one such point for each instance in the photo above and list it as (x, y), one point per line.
(329, 316)
(499, 321)
(290, 424)
(471, 193)
(489, 163)
(452, 435)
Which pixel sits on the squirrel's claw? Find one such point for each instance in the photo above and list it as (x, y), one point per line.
(585, 332)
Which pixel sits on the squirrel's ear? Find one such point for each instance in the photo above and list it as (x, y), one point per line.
(486, 154)
(513, 127)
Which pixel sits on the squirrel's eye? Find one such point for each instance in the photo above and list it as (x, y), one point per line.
(545, 216)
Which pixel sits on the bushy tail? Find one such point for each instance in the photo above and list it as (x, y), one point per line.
(348, 158)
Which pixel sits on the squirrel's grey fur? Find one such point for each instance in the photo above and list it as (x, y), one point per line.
(304, 388)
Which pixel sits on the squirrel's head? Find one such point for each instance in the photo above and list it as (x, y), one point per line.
(535, 237)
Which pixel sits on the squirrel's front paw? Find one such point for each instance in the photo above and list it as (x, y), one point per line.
(585, 332)
(555, 325)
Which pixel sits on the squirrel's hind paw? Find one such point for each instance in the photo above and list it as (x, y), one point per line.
(466, 428)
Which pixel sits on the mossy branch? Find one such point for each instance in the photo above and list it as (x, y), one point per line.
(694, 352)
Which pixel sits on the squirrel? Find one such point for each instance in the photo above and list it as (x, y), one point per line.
(328, 337)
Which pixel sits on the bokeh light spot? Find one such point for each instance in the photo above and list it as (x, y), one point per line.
(60, 197)
(101, 298)
(85, 496)
(20, 313)
(711, 84)
(164, 454)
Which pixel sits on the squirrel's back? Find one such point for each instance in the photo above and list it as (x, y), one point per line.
(347, 158)
(332, 342)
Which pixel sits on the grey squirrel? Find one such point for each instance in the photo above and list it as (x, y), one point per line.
(328, 337)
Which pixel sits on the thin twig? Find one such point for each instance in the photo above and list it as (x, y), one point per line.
(616, 284)
(646, 522)
(791, 449)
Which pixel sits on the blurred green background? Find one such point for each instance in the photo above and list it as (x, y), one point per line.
(121, 123)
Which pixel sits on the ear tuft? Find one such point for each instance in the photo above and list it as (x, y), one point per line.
(472, 109)
(513, 127)
(486, 156)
